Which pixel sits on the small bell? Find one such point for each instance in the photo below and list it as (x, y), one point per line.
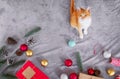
(44, 62)
(11, 41)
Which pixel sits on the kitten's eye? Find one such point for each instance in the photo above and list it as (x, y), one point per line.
(83, 15)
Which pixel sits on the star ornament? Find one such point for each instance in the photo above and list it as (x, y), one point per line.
(30, 71)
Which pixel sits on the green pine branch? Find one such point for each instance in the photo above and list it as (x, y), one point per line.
(2, 49)
(2, 62)
(15, 64)
(79, 62)
(37, 29)
(8, 76)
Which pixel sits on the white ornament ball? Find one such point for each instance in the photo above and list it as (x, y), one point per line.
(107, 54)
(63, 76)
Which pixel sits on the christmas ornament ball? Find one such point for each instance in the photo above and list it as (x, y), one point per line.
(106, 54)
(73, 76)
(117, 77)
(29, 53)
(111, 72)
(68, 62)
(97, 72)
(23, 47)
(91, 71)
(44, 62)
(19, 53)
(63, 76)
(71, 43)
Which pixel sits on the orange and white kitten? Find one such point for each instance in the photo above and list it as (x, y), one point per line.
(80, 19)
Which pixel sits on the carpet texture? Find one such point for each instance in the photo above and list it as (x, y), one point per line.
(19, 16)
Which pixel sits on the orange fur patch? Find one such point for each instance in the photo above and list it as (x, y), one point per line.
(75, 14)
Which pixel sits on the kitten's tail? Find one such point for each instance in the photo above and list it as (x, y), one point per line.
(72, 7)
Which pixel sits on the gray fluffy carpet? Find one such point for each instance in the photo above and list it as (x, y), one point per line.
(19, 16)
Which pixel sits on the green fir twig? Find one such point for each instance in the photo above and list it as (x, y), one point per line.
(37, 29)
(2, 49)
(79, 62)
(17, 63)
(2, 62)
(8, 76)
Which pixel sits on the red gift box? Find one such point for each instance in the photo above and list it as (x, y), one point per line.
(30, 71)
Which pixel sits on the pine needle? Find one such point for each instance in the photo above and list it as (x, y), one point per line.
(8, 76)
(79, 62)
(2, 62)
(37, 29)
(2, 49)
(15, 64)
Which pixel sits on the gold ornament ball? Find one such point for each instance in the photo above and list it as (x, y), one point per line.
(44, 62)
(111, 72)
(29, 53)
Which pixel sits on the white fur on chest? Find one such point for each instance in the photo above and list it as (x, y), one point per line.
(85, 23)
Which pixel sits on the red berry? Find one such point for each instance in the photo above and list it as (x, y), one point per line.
(23, 47)
(91, 71)
(73, 76)
(68, 62)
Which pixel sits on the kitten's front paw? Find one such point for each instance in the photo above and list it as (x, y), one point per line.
(85, 32)
(81, 36)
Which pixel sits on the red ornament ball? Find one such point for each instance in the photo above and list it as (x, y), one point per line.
(91, 71)
(68, 62)
(117, 77)
(73, 76)
(23, 47)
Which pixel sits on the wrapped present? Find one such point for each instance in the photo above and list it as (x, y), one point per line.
(85, 76)
(30, 71)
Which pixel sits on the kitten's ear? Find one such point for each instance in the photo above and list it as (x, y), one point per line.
(88, 9)
(81, 9)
